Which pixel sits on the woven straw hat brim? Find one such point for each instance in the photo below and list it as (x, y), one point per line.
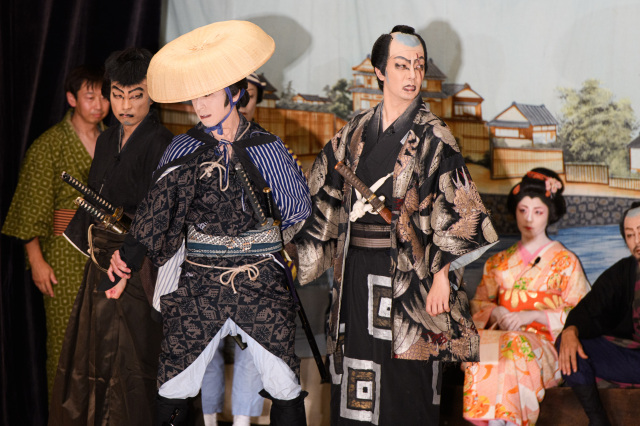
(206, 60)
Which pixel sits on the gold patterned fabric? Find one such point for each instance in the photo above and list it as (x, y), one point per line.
(516, 367)
(437, 218)
(39, 193)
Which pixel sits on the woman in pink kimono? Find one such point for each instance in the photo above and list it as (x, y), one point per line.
(520, 308)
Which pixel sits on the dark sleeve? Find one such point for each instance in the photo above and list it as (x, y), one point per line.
(132, 253)
(603, 309)
(160, 218)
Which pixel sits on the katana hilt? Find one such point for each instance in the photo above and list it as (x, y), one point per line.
(270, 205)
(111, 222)
(87, 192)
(251, 195)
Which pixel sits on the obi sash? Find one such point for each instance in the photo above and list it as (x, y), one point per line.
(516, 300)
(61, 219)
(256, 241)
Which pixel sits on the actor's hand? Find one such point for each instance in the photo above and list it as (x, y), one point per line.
(496, 315)
(514, 320)
(43, 277)
(570, 346)
(438, 297)
(118, 267)
(116, 291)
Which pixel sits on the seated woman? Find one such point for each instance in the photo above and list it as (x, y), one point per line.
(520, 308)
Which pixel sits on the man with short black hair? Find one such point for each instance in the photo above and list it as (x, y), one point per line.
(601, 336)
(42, 205)
(109, 360)
(398, 307)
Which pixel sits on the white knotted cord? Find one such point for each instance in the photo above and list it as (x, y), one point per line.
(361, 206)
(227, 277)
(210, 167)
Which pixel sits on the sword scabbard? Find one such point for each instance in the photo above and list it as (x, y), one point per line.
(366, 192)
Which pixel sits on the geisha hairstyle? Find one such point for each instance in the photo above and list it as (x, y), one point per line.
(380, 50)
(544, 184)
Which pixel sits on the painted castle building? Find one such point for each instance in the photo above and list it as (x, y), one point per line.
(457, 104)
(523, 125)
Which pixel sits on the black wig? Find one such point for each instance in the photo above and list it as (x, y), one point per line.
(380, 50)
(544, 184)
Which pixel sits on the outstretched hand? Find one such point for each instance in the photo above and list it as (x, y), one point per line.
(117, 267)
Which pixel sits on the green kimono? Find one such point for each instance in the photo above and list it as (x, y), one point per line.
(40, 192)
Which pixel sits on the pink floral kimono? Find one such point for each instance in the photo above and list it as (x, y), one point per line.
(516, 367)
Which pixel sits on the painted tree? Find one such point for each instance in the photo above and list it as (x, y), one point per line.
(341, 104)
(596, 128)
(286, 99)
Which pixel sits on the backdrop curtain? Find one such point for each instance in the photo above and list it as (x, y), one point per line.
(40, 41)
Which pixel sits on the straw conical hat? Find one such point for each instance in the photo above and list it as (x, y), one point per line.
(206, 60)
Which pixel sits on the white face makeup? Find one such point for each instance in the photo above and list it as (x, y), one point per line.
(632, 232)
(211, 108)
(532, 217)
(405, 68)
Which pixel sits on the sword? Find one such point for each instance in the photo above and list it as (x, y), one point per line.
(324, 376)
(244, 181)
(367, 193)
(115, 222)
(88, 193)
(253, 199)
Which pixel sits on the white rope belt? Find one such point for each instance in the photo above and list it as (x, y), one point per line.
(227, 277)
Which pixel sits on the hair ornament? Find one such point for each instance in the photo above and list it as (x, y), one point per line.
(552, 185)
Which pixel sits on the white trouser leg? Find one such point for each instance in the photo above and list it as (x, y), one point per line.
(278, 379)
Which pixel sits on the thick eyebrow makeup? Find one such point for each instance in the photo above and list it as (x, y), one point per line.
(130, 91)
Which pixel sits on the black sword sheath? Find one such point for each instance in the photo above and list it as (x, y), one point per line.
(246, 185)
(324, 377)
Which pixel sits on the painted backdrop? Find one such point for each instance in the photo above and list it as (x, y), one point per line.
(518, 82)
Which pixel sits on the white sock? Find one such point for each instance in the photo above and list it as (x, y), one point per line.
(241, 421)
(210, 419)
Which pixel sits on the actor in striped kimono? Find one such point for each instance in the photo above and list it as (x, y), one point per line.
(232, 279)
